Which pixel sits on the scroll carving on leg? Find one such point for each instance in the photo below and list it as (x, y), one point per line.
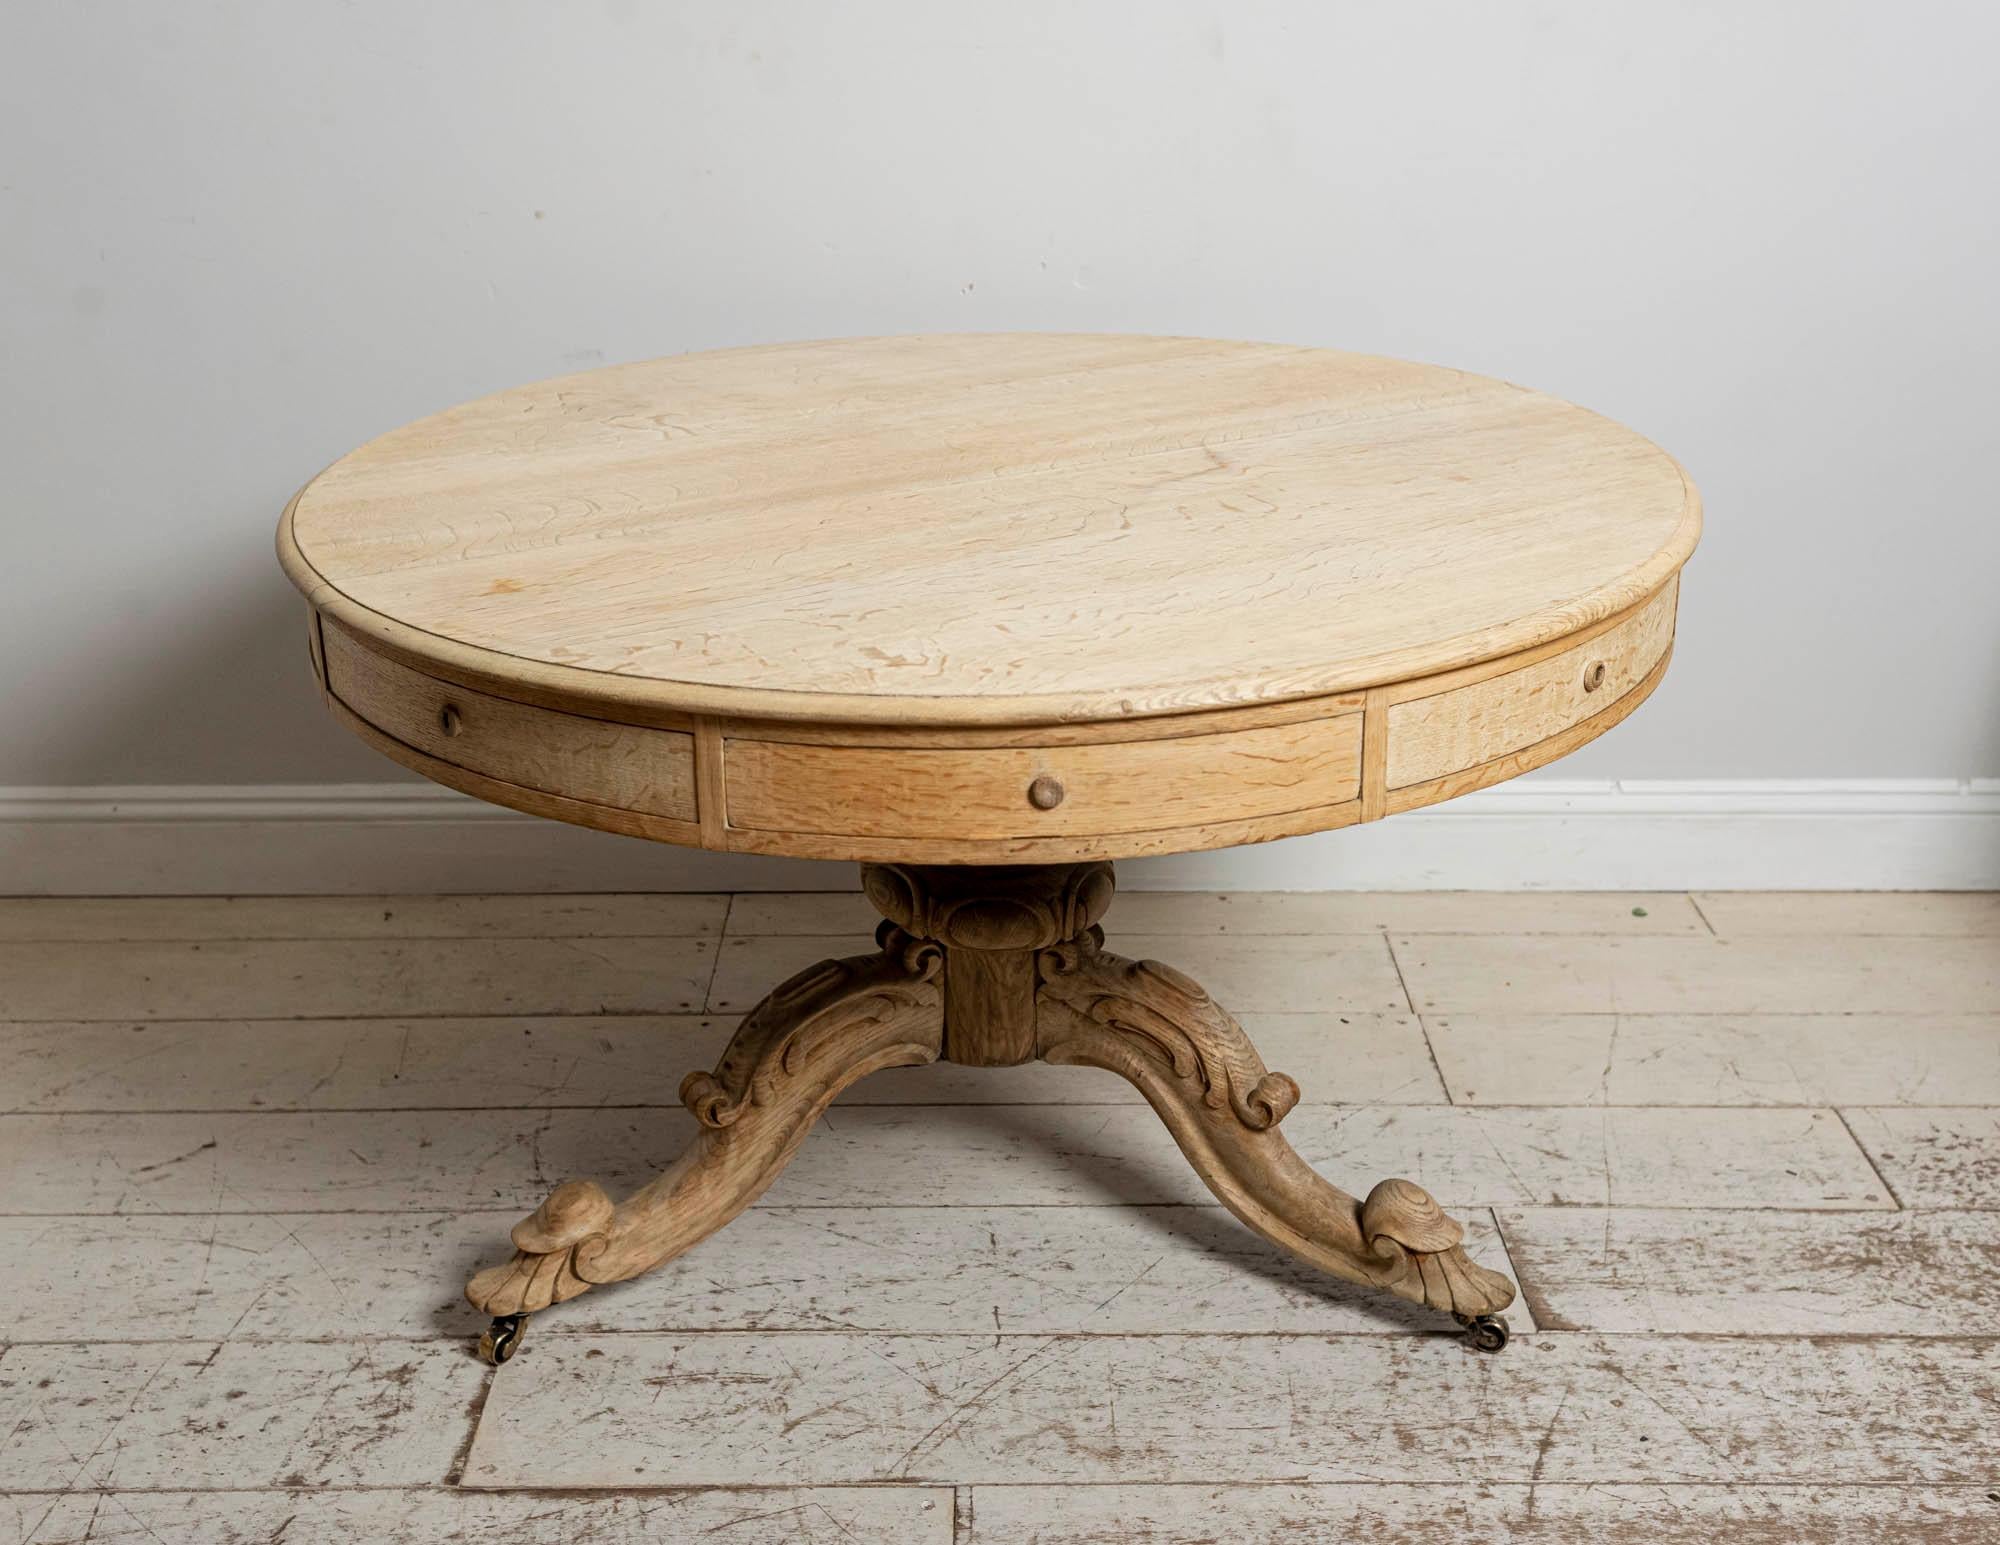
(833, 1023)
(1161, 1031)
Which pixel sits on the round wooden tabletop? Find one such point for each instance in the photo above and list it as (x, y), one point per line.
(989, 544)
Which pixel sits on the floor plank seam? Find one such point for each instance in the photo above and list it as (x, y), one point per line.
(1523, 1484)
(515, 1209)
(1491, 1010)
(1530, 1297)
(1494, 1010)
(475, 1412)
(228, 945)
(1854, 1137)
(1353, 1106)
(557, 1493)
(1168, 929)
(552, 1493)
(1410, 1003)
(1402, 981)
(1430, 1050)
(848, 1105)
(687, 1012)
(1440, 1335)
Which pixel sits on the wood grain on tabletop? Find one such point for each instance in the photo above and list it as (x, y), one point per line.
(1136, 525)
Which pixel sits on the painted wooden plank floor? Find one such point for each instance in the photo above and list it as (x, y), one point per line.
(1934, 1158)
(1466, 1513)
(308, 978)
(54, 918)
(1472, 1513)
(1776, 974)
(573, 1060)
(1097, 1409)
(1633, 1271)
(1717, 1059)
(140, 1417)
(1263, 913)
(1276, 973)
(1737, 914)
(822, 1515)
(960, 1155)
(251, 1149)
(1009, 1270)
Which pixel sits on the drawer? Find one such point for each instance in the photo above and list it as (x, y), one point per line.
(1035, 791)
(623, 765)
(1462, 727)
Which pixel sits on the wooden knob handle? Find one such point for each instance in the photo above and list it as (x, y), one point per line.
(1593, 676)
(448, 719)
(1045, 793)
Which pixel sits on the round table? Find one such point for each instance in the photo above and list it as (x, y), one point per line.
(984, 613)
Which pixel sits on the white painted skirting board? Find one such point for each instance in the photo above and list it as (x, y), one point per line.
(1822, 834)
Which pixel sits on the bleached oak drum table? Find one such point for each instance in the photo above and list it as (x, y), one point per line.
(985, 613)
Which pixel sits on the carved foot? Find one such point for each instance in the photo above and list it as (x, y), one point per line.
(1424, 1250)
(544, 1269)
(792, 1055)
(1157, 1028)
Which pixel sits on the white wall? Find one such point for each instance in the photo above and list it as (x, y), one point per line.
(238, 239)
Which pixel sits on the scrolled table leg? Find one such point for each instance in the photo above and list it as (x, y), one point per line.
(1161, 1031)
(792, 1055)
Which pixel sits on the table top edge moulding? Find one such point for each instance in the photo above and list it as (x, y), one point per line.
(1300, 426)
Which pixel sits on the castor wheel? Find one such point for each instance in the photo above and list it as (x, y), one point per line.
(1486, 1332)
(503, 1338)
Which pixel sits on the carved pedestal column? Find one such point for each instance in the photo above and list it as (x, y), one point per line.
(992, 925)
(991, 967)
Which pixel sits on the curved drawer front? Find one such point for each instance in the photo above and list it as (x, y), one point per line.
(1459, 727)
(1036, 791)
(624, 765)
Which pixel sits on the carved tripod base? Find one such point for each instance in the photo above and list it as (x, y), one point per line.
(991, 967)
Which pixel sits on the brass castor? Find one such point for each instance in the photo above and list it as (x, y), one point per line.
(503, 1338)
(1486, 1332)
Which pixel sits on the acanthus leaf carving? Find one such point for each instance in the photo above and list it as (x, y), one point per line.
(1175, 1020)
(827, 1002)
(1159, 1029)
(815, 1034)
